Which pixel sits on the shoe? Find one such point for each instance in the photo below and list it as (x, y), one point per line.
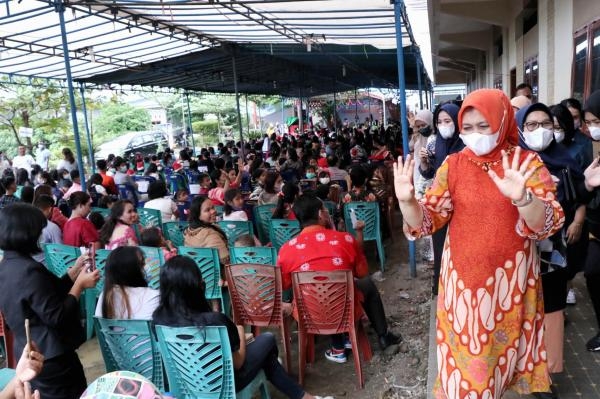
(324, 397)
(334, 356)
(389, 339)
(593, 345)
(571, 298)
(347, 343)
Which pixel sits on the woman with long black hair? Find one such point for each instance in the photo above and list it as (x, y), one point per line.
(183, 304)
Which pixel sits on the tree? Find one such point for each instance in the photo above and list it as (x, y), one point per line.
(117, 118)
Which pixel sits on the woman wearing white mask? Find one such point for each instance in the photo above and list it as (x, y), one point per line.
(447, 142)
(582, 136)
(559, 252)
(497, 200)
(564, 134)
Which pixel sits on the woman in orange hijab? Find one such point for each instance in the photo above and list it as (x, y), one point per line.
(497, 200)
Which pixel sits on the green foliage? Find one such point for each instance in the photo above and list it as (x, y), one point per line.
(117, 118)
(206, 127)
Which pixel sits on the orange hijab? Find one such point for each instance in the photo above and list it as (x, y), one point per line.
(493, 105)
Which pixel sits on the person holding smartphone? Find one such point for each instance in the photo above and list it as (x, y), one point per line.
(28, 290)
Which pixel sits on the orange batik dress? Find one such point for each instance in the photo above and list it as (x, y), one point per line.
(490, 307)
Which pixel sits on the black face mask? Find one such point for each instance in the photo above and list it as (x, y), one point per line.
(425, 131)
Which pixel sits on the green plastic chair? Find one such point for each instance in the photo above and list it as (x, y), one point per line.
(150, 217)
(132, 347)
(234, 229)
(220, 210)
(105, 212)
(173, 231)
(199, 364)
(207, 260)
(262, 217)
(369, 213)
(6, 375)
(110, 364)
(283, 230)
(155, 259)
(260, 255)
(59, 257)
(330, 206)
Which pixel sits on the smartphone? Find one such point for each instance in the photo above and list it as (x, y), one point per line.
(28, 334)
(91, 266)
(353, 218)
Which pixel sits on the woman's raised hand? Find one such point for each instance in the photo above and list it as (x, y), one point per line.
(512, 186)
(403, 176)
(592, 175)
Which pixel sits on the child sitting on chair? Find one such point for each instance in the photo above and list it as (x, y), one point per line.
(152, 237)
(234, 206)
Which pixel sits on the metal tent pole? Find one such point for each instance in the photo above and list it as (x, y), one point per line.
(419, 81)
(334, 111)
(247, 115)
(300, 117)
(398, 6)
(237, 105)
(87, 129)
(60, 9)
(189, 117)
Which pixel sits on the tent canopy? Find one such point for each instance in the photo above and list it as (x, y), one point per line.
(288, 47)
(284, 69)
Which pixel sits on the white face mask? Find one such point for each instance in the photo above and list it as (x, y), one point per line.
(559, 136)
(480, 144)
(446, 131)
(539, 139)
(594, 132)
(324, 180)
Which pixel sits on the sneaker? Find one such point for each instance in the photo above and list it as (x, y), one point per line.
(337, 356)
(593, 345)
(347, 343)
(571, 298)
(324, 397)
(389, 339)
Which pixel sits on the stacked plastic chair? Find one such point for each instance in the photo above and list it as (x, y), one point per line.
(199, 364)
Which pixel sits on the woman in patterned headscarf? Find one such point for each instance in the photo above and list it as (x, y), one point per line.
(497, 199)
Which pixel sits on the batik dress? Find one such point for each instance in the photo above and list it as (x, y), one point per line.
(490, 307)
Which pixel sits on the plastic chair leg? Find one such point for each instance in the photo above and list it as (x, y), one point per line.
(286, 339)
(356, 356)
(381, 253)
(259, 383)
(363, 343)
(90, 308)
(302, 348)
(311, 348)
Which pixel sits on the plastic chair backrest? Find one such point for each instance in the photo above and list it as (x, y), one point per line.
(183, 209)
(59, 257)
(198, 361)
(154, 260)
(132, 347)
(177, 182)
(207, 260)
(260, 255)
(150, 217)
(101, 257)
(220, 209)
(255, 292)
(234, 229)
(330, 206)
(143, 183)
(105, 212)
(367, 212)
(325, 301)
(262, 218)
(129, 193)
(283, 230)
(173, 231)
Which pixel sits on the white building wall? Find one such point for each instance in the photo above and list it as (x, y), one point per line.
(563, 49)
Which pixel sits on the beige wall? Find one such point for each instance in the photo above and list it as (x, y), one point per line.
(563, 49)
(584, 12)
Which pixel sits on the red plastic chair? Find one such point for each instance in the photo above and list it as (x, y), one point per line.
(325, 303)
(255, 292)
(8, 339)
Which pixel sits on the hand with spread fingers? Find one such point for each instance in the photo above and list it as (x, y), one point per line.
(403, 176)
(592, 175)
(516, 174)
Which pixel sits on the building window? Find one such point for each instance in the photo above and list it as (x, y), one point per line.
(586, 61)
(498, 82)
(531, 74)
